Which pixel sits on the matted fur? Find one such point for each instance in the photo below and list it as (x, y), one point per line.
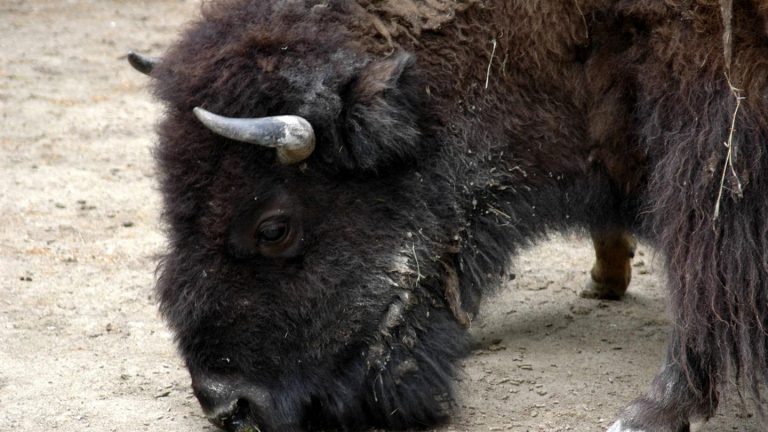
(453, 134)
(716, 264)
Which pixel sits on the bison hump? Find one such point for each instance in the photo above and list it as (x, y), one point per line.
(393, 18)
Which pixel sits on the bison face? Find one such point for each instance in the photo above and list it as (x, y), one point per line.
(308, 295)
(313, 305)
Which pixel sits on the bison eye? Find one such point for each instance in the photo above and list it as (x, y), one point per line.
(272, 231)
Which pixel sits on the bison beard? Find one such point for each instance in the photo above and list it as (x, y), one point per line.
(329, 290)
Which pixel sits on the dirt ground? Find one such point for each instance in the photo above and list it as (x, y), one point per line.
(81, 344)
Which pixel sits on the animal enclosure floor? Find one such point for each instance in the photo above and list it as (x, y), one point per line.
(81, 344)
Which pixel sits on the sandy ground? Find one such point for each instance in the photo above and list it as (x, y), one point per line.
(81, 344)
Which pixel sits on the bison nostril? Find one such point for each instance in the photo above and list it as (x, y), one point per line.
(233, 404)
(237, 417)
(240, 419)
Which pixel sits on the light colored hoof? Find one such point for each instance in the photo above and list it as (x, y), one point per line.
(602, 291)
(697, 426)
(618, 427)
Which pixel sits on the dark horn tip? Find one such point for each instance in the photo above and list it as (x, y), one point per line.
(142, 63)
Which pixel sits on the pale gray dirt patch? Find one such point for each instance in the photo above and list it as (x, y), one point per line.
(81, 344)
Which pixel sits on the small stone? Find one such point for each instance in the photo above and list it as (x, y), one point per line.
(580, 309)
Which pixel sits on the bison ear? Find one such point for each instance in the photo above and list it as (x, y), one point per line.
(382, 114)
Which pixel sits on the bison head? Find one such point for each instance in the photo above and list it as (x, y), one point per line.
(316, 289)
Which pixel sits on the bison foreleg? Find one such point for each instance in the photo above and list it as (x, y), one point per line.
(611, 273)
(679, 400)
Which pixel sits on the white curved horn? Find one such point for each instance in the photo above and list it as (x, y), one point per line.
(292, 136)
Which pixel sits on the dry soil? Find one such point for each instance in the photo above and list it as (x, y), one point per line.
(81, 344)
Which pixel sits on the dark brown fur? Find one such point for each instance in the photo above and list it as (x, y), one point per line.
(718, 274)
(477, 132)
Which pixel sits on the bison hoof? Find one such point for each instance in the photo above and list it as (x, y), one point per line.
(649, 415)
(620, 427)
(603, 291)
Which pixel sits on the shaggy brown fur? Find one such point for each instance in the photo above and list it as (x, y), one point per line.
(718, 273)
(475, 127)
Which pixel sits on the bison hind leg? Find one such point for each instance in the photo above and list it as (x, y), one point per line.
(680, 398)
(612, 271)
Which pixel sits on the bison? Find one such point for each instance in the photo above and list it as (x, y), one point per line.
(344, 180)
